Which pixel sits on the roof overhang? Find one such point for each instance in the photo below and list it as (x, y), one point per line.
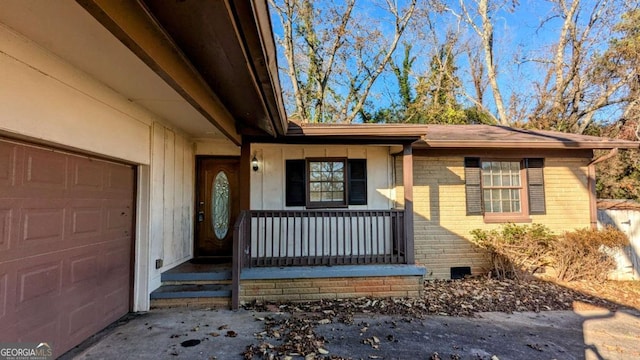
(355, 133)
(500, 137)
(219, 55)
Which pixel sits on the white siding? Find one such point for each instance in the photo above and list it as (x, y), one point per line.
(45, 99)
(334, 235)
(172, 199)
(268, 183)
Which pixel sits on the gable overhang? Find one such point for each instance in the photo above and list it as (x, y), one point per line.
(374, 134)
(218, 55)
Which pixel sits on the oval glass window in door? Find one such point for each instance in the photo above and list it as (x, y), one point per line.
(220, 205)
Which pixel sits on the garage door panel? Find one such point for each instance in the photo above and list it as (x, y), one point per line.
(3, 297)
(87, 175)
(115, 304)
(85, 222)
(83, 271)
(119, 214)
(43, 281)
(41, 227)
(44, 169)
(119, 179)
(6, 221)
(116, 264)
(80, 320)
(66, 225)
(8, 158)
(47, 328)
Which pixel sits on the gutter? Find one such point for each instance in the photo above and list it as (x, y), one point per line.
(591, 184)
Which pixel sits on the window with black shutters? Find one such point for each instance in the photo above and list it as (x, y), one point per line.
(326, 182)
(504, 189)
(357, 178)
(296, 183)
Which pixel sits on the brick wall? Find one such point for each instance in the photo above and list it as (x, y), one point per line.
(330, 288)
(441, 225)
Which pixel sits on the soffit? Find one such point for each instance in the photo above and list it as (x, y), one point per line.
(210, 35)
(65, 29)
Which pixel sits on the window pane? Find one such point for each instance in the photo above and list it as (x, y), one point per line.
(515, 179)
(515, 196)
(315, 166)
(326, 181)
(501, 186)
(315, 186)
(506, 179)
(315, 175)
(496, 180)
(486, 179)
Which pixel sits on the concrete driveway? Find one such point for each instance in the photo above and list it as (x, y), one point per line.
(223, 334)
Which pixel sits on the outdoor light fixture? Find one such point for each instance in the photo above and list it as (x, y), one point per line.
(254, 163)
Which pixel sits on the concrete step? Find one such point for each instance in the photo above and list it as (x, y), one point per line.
(197, 282)
(183, 291)
(217, 275)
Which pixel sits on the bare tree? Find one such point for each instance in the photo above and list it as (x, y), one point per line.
(581, 80)
(330, 47)
(479, 18)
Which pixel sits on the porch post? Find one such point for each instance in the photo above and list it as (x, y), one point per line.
(245, 175)
(407, 181)
(238, 231)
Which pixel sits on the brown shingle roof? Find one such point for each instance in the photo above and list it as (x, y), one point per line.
(487, 136)
(458, 136)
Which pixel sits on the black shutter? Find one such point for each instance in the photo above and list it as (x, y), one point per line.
(296, 183)
(473, 189)
(357, 178)
(535, 178)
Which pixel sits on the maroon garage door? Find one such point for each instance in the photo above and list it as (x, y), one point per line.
(66, 233)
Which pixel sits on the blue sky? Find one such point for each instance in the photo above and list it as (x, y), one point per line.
(518, 36)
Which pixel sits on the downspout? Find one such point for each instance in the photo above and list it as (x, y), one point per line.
(591, 184)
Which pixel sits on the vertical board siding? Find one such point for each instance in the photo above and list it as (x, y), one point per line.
(268, 183)
(172, 197)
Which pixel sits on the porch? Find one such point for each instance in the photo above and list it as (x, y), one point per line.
(302, 255)
(271, 246)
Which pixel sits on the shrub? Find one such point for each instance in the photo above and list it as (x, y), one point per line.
(587, 254)
(516, 251)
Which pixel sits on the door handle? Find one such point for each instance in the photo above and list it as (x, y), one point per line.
(200, 216)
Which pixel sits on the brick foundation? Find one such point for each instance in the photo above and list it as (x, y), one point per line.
(330, 288)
